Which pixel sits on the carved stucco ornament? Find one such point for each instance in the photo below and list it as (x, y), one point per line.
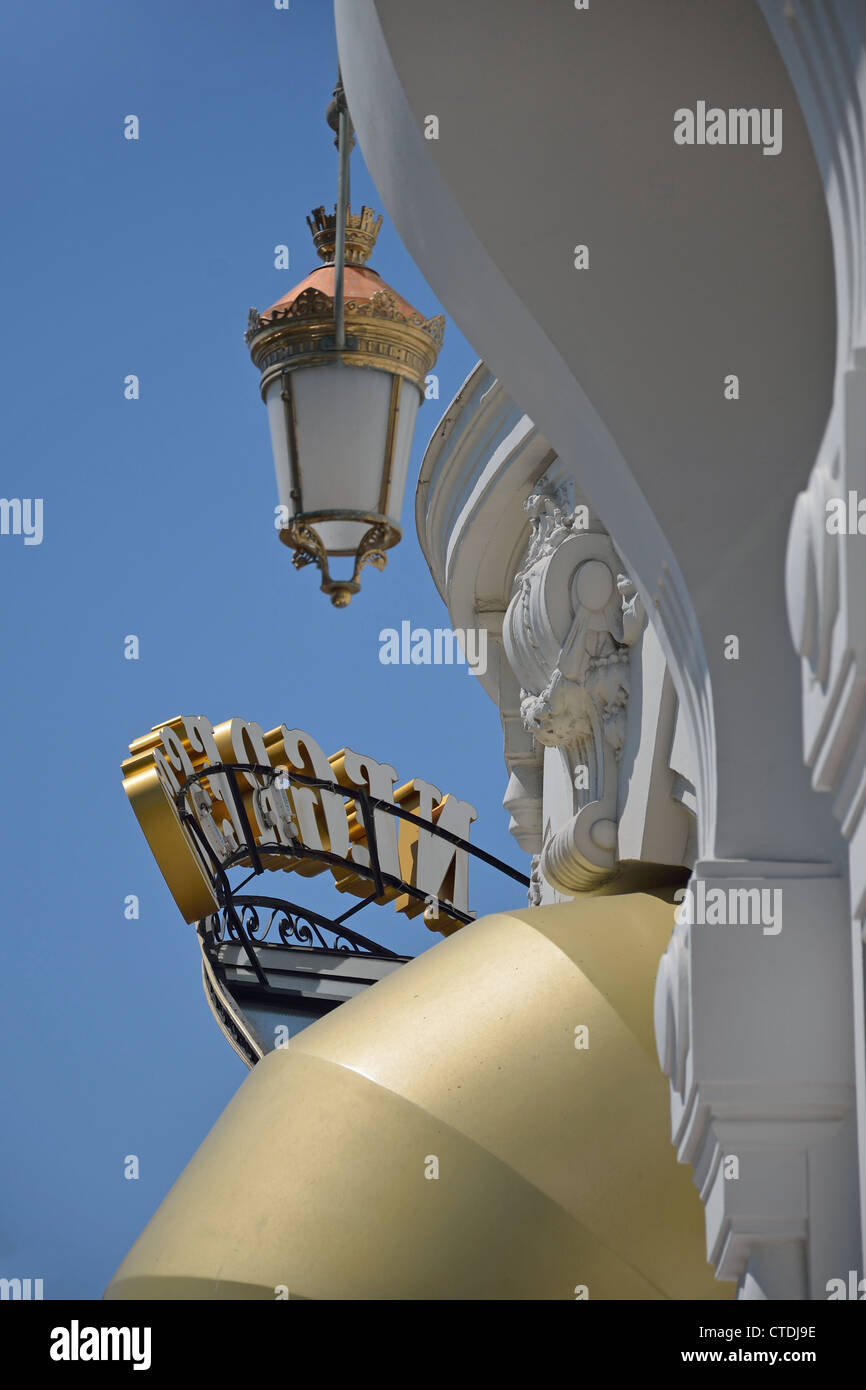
(567, 632)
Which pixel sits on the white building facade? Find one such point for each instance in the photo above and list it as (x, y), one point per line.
(650, 485)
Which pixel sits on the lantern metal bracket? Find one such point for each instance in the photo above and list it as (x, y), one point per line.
(300, 534)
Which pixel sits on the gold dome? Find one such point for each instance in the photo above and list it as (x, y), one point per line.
(554, 1170)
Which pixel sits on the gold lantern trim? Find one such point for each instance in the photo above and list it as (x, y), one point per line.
(383, 332)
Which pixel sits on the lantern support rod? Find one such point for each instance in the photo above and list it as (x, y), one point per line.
(344, 144)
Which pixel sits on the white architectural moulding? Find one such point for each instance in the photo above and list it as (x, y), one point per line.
(589, 713)
(703, 263)
(772, 1095)
(824, 48)
(567, 633)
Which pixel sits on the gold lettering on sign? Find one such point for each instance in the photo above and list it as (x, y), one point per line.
(282, 816)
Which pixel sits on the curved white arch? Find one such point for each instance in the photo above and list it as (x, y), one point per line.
(588, 374)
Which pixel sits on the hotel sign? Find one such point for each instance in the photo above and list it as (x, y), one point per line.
(210, 798)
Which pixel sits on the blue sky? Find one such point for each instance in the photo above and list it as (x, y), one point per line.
(143, 257)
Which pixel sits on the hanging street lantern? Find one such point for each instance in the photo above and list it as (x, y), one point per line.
(343, 361)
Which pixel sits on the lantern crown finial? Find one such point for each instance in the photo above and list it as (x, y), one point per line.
(362, 228)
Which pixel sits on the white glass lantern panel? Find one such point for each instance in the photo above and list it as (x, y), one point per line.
(279, 442)
(410, 399)
(341, 426)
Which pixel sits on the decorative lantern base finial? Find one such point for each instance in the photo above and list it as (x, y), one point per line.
(301, 536)
(341, 592)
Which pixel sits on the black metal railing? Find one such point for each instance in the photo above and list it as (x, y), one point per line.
(238, 917)
(271, 921)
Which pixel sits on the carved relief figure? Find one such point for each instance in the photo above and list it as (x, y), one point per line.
(567, 633)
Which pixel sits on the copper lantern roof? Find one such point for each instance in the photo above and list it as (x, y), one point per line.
(383, 328)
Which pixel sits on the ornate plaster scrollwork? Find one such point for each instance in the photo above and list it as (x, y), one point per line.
(534, 896)
(567, 633)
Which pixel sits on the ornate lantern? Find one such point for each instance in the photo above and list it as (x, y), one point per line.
(343, 361)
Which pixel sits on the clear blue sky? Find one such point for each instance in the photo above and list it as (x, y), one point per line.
(122, 257)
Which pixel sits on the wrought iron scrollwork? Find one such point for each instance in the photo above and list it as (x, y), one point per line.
(265, 921)
(257, 921)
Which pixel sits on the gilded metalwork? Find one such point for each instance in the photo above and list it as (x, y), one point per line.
(390, 437)
(301, 536)
(362, 229)
(287, 396)
(294, 810)
(313, 303)
(377, 333)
